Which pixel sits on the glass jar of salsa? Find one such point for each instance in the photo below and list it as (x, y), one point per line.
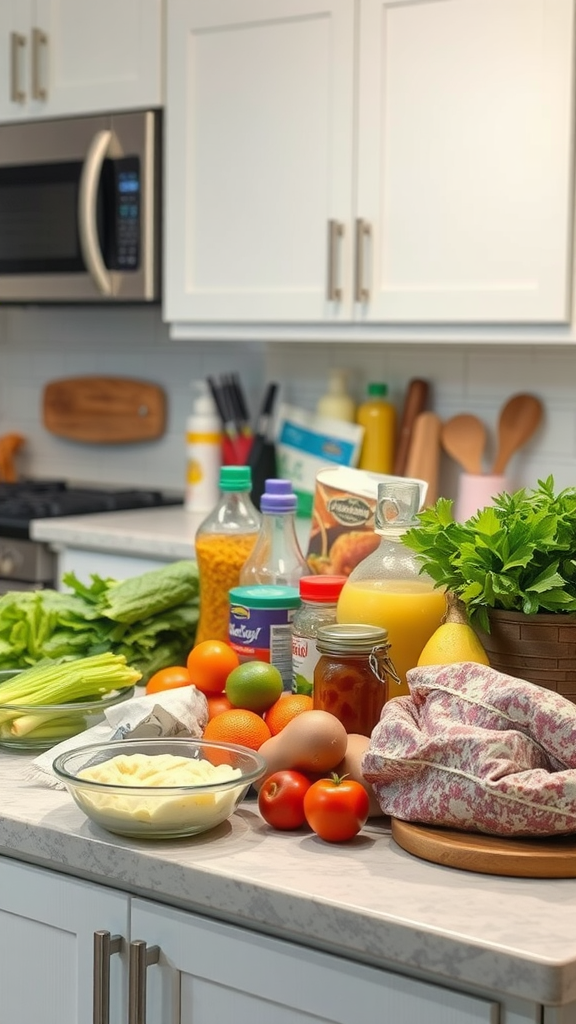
(351, 677)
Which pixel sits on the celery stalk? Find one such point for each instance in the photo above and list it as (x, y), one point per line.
(62, 682)
(36, 726)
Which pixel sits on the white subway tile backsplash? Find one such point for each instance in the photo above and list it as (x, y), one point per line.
(38, 344)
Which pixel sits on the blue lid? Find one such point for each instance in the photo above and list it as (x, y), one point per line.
(278, 496)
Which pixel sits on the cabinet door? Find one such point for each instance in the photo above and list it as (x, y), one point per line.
(259, 143)
(79, 57)
(47, 925)
(209, 972)
(464, 159)
(15, 21)
(98, 56)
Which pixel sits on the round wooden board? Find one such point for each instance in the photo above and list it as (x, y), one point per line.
(553, 857)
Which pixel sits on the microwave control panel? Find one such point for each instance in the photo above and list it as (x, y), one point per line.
(123, 249)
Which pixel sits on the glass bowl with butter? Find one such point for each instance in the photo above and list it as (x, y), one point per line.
(158, 788)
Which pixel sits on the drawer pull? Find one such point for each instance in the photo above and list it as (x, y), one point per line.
(105, 945)
(39, 40)
(335, 233)
(363, 232)
(17, 44)
(141, 957)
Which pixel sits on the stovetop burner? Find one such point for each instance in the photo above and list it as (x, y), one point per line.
(41, 499)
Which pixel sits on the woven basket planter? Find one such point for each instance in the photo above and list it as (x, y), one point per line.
(539, 648)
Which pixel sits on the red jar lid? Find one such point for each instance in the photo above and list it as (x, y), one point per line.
(321, 588)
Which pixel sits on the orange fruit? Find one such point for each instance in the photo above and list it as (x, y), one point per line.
(238, 726)
(210, 663)
(167, 678)
(217, 703)
(285, 709)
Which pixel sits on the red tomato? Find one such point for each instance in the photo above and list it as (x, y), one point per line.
(336, 808)
(168, 678)
(281, 799)
(210, 663)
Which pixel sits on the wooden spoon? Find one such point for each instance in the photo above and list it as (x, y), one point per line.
(464, 438)
(519, 419)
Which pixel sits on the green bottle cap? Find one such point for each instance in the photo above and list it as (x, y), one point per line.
(235, 478)
(264, 596)
(377, 390)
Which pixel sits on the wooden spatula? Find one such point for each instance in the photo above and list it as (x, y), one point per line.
(464, 438)
(519, 419)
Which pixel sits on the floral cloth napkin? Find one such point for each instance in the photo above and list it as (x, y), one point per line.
(475, 749)
(179, 712)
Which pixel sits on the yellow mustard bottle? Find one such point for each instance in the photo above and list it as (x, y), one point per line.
(378, 417)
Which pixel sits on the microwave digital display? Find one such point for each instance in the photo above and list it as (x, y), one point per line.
(121, 185)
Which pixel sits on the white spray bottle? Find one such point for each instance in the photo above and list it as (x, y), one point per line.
(204, 451)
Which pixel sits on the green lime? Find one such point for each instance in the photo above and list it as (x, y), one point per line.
(254, 685)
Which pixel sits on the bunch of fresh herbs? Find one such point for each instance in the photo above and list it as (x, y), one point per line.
(149, 619)
(518, 555)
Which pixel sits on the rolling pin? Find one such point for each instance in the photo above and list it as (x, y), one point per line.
(414, 404)
(424, 453)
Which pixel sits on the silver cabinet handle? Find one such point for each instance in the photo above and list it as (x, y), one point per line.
(39, 40)
(17, 44)
(335, 233)
(104, 946)
(141, 957)
(363, 232)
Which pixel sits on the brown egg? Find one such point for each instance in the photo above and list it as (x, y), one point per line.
(314, 742)
(350, 765)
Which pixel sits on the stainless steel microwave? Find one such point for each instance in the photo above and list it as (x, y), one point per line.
(80, 204)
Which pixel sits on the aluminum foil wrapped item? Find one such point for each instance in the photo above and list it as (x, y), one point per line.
(182, 711)
(475, 749)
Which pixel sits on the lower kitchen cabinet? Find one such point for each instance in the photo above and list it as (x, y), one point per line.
(208, 971)
(200, 971)
(47, 926)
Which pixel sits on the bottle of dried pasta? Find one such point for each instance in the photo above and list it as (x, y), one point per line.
(223, 542)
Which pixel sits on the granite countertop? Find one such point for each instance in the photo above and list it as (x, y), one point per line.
(366, 899)
(166, 532)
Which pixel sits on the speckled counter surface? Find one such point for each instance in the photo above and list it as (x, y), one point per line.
(366, 899)
(167, 533)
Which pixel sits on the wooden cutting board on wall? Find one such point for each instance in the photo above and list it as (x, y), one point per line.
(104, 410)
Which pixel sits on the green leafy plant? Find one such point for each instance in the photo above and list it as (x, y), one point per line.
(518, 555)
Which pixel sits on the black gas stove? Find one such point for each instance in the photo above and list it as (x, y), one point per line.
(25, 563)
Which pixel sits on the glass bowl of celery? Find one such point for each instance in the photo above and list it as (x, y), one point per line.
(52, 701)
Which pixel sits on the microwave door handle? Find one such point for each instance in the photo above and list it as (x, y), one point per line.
(87, 202)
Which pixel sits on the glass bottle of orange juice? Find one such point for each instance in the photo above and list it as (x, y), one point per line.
(388, 588)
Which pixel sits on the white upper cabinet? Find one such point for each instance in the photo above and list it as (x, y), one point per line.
(369, 161)
(68, 57)
(259, 143)
(465, 128)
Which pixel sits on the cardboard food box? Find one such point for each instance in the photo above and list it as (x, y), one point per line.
(342, 530)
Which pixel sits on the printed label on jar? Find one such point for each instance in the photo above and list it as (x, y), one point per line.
(263, 634)
(305, 657)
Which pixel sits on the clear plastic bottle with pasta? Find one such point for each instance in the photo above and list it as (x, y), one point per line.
(224, 540)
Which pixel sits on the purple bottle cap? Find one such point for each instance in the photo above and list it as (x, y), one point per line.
(278, 496)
